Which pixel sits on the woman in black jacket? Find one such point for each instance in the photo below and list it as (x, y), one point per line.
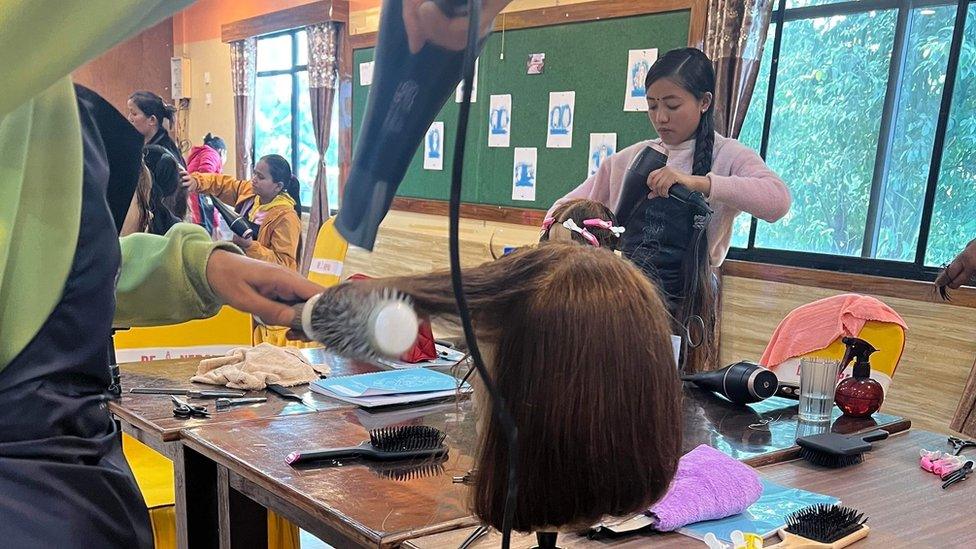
(147, 113)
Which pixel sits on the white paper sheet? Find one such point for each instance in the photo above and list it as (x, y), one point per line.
(434, 147)
(459, 91)
(638, 63)
(524, 174)
(602, 145)
(500, 121)
(366, 73)
(562, 110)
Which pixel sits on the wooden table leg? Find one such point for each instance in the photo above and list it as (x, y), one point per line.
(196, 501)
(243, 522)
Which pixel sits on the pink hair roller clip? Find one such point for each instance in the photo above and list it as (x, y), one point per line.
(928, 459)
(948, 464)
(571, 225)
(604, 224)
(546, 224)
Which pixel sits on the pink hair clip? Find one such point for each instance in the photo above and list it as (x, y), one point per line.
(928, 459)
(547, 223)
(571, 225)
(604, 224)
(948, 464)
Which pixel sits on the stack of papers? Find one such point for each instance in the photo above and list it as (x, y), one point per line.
(390, 388)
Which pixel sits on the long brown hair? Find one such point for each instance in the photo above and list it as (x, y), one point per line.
(691, 69)
(578, 346)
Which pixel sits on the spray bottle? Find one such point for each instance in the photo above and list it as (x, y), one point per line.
(859, 395)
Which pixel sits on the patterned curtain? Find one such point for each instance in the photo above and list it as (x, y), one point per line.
(243, 66)
(323, 63)
(734, 38)
(964, 421)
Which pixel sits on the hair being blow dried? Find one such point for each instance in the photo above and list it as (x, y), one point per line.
(579, 346)
(691, 69)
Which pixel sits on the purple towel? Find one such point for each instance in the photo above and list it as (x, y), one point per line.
(709, 485)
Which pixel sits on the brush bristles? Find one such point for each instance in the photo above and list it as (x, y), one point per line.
(406, 438)
(426, 469)
(826, 459)
(342, 317)
(825, 523)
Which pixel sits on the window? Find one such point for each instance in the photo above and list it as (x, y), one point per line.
(851, 128)
(283, 113)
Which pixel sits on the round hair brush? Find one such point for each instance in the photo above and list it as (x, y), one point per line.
(386, 444)
(826, 526)
(359, 322)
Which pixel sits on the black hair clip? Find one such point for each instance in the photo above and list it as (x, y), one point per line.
(958, 475)
(959, 445)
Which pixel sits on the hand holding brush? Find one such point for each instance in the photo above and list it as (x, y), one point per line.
(961, 271)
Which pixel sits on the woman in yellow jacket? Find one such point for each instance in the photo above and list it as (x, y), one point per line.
(270, 202)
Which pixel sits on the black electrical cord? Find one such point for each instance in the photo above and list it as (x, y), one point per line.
(499, 407)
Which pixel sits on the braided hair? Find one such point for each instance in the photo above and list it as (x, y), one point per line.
(691, 69)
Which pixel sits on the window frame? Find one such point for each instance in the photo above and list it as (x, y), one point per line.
(294, 71)
(865, 264)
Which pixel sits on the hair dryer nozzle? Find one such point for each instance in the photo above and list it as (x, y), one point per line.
(742, 382)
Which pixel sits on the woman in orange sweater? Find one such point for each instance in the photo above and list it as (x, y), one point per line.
(270, 202)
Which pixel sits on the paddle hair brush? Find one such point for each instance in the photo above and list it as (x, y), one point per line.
(823, 526)
(387, 444)
(836, 451)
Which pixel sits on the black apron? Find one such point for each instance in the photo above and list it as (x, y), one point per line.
(63, 479)
(657, 237)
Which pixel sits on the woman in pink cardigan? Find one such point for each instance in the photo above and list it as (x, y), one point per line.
(664, 237)
(207, 158)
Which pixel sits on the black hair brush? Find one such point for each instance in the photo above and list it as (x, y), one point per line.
(386, 444)
(823, 526)
(412, 470)
(836, 451)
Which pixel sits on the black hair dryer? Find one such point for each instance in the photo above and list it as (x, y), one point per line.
(742, 382)
(635, 186)
(407, 92)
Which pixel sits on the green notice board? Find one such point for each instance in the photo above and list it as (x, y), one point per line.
(588, 58)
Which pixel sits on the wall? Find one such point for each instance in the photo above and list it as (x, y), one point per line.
(364, 15)
(140, 63)
(196, 33)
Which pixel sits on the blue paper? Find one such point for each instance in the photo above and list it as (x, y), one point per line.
(394, 382)
(764, 517)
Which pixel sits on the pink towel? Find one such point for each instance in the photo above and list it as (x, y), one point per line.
(818, 324)
(709, 485)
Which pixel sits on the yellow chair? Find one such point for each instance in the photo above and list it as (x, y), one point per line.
(325, 270)
(887, 337)
(154, 475)
(153, 471)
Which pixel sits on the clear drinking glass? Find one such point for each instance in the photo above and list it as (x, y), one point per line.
(818, 381)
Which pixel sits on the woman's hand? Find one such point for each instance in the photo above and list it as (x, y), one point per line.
(188, 181)
(243, 243)
(962, 269)
(661, 180)
(258, 287)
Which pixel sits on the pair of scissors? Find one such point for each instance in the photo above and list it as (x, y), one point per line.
(185, 410)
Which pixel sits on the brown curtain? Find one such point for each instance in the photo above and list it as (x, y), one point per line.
(735, 35)
(243, 59)
(323, 65)
(965, 419)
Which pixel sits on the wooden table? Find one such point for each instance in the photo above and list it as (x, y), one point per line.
(359, 506)
(906, 506)
(149, 419)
